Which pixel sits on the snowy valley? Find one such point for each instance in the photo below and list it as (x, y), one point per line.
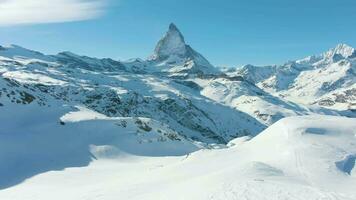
(173, 126)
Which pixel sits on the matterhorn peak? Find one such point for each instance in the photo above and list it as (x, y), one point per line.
(173, 27)
(172, 54)
(172, 43)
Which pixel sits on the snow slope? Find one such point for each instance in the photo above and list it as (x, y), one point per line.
(116, 92)
(246, 97)
(310, 157)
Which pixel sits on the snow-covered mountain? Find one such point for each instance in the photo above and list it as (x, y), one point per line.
(78, 111)
(174, 56)
(104, 86)
(327, 80)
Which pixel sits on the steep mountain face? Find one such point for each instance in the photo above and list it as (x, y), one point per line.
(327, 80)
(172, 44)
(174, 56)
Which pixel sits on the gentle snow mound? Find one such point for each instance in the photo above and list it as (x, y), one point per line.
(297, 158)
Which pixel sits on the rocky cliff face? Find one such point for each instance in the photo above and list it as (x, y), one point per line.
(173, 55)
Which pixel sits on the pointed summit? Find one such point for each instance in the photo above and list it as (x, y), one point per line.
(173, 27)
(173, 55)
(172, 43)
(342, 51)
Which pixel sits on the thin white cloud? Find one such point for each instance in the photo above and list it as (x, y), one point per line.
(16, 12)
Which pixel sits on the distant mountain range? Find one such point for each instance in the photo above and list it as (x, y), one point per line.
(327, 80)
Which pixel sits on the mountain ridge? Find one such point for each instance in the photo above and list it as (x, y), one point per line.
(327, 79)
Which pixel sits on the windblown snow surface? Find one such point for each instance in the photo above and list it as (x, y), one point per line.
(309, 157)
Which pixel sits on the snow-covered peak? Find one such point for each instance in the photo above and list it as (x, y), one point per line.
(341, 50)
(14, 51)
(18, 51)
(172, 43)
(174, 56)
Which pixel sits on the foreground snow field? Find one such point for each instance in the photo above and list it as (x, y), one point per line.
(309, 157)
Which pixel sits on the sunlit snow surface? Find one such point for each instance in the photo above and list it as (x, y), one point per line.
(296, 158)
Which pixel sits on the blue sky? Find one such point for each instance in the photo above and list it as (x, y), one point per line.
(227, 32)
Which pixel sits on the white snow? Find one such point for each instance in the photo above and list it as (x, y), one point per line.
(29, 77)
(83, 114)
(342, 49)
(329, 77)
(22, 54)
(297, 158)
